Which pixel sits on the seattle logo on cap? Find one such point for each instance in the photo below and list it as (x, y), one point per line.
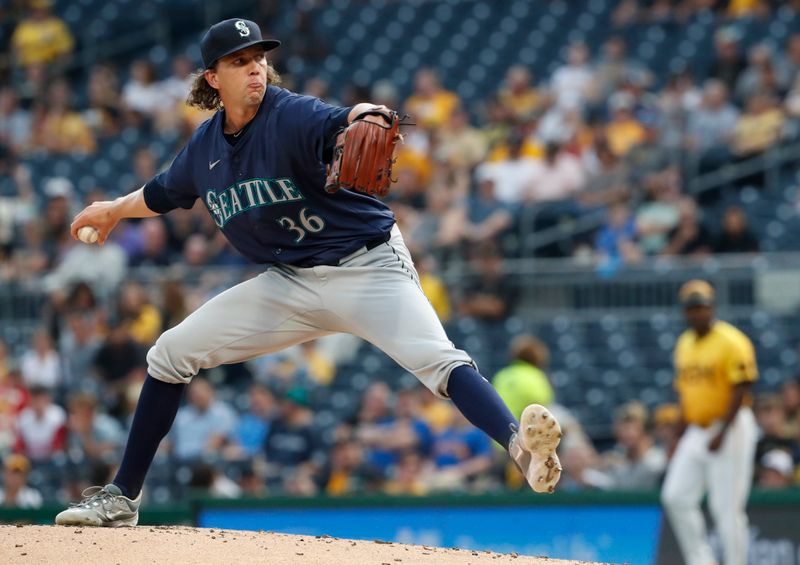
(244, 31)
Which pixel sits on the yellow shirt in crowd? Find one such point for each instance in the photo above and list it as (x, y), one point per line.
(432, 111)
(623, 136)
(41, 41)
(756, 133)
(436, 292)
(707, 369)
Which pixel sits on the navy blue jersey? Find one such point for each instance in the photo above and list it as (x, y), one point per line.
(266, 193)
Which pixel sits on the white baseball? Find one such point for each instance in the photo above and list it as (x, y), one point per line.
(88, 234)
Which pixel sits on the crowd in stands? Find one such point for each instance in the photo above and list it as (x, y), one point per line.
(602, 134)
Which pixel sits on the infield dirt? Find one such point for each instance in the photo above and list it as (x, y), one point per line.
(20, 544)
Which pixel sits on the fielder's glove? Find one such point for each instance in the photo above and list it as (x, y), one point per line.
(364, 154)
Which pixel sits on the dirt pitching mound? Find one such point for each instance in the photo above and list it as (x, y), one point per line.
(177, 544)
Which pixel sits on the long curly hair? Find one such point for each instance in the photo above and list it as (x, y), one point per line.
(205, 97)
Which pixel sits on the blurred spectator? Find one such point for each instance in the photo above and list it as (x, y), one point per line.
(711, 126)
(461, 454)
(203, 426)
(433, 286)
(775, 470)
(41, 37)
(174, 307)
(636, 462)
(175, 88)
(459, 144)
(119, 362)
(759, 128)
(386, 435)
(623, 131)
(790, 392)
(511, 175)
(211, 481)
(482, 217)
(41, 426)
(154, 251)
(59, 192)
(103, 112)
(518, 94)
(348, 472)
(649, 156)
(408, 476)
(524, 381)
(102, 266)
(145, 166)
(579, 469)
(729, 62)
(17, 201)
(15, 121)
(789, 58)
(660, 213)
(91, 434)
(142, 94)
(41, 363)
(761, 74)
(736, 237)
(79, 344)
(689, 237)
(144, 319)
(196, 251)
(385, 92)
(251, 481)
(13, 398)
(558, 176)
(666, 418)
(430, 105)
(292, 446)
(614, 68)
(607, 176)
(572, 83)
(489, 294)
(57, 128)
(771, 419)
(15, 492)
(254, 425)
(679, 98)
(6, 363)
(616, 242)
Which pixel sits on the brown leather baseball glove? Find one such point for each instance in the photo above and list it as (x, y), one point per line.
(364, 154)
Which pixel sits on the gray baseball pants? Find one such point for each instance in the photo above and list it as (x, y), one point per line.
(373, 294)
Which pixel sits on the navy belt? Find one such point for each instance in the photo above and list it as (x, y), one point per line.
(371, 244)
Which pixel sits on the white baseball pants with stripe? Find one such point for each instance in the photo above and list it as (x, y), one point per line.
(726, 475)
(373, 294)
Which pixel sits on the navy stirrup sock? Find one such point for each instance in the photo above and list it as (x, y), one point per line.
(155, 412)
(477, 399)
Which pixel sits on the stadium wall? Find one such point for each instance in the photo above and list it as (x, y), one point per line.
(609, 527)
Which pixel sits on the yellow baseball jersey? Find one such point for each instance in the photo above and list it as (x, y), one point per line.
(707, 369)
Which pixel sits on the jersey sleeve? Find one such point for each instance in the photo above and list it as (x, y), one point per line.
(741, 361)
(175, 185)
(316, 123)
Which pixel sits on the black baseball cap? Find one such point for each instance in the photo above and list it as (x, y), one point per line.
(229, 36)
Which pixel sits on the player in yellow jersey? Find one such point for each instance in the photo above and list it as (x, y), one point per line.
(715, 368)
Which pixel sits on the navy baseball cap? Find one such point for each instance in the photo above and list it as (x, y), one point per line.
(229, 36)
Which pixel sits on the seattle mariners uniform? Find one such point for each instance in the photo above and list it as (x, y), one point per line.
(334, 262)
(715, 367)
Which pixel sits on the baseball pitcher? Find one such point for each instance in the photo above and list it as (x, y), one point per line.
(292, 182)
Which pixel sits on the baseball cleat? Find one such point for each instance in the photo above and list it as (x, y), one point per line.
(533, 448)
(102, 506)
